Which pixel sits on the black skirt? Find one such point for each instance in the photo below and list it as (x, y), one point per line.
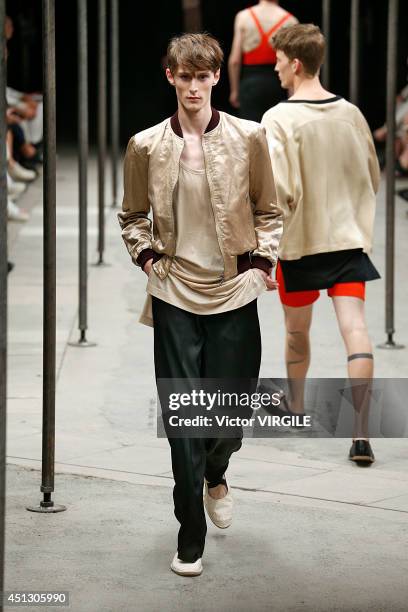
(324, 270)
(259, 90)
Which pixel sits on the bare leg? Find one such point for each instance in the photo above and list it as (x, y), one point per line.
(297, 321)
(351, 318)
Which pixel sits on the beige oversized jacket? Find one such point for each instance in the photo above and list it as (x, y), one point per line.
(326, 175)
(240, 179)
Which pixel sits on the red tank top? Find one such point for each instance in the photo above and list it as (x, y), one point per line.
(264, 53)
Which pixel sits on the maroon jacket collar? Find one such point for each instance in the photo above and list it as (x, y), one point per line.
(176, 127)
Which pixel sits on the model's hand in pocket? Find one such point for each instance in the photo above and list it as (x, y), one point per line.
(147, 268)
(271, 284)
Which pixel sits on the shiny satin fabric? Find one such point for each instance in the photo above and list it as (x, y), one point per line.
(195, 281)
(241, 186)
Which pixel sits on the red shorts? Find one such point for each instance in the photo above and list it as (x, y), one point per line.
(305, 298)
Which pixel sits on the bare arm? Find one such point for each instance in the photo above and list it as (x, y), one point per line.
(234, 62)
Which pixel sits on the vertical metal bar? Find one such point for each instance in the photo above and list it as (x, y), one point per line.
(114, 124)
(83, 150)
(3, 294)
(49, 263)
(49, 256)
(354, 51)
(83, 163)
(101, 125)
(326, 20)
(49, 187)
(390, 172)
(192, 15)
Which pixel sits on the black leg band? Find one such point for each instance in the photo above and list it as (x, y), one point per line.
(360, 356)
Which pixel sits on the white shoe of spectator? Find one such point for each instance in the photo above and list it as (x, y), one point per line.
(18, 173)
(14, 188)
(14, 213)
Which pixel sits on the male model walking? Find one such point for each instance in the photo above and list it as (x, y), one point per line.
(326, 174)
(208, 254)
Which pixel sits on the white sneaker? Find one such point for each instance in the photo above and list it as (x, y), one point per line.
(14, 213)
(219, 510)
(18, 173)
(183, 568)
(14, 188)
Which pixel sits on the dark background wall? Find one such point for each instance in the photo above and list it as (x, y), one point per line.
(145, 28)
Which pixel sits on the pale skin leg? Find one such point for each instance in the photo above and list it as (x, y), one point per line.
(351, 319)
(350, 314)
(297, 352)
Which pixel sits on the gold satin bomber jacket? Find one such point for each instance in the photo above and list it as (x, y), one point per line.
(242, 189)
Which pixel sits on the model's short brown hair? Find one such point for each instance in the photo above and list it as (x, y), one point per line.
(303, 41)
(195, 52)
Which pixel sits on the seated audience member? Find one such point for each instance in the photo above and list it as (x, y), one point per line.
(401, 142)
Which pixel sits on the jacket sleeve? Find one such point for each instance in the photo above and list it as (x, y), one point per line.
(285, 166)
(134, 221)
(268, 219)
(367, 141)
(373, 164)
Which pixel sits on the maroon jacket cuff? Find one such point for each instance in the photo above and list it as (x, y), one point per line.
(246, 261)
(147, 254)
(243, 263)
(261, 262)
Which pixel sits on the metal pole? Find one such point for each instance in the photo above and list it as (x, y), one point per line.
(3, 295)
(192, 15)
(326, 19)
(114, 40)
(49, 293)
(83, 149)
(101, 126)
(390, 172)
(354, 51)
